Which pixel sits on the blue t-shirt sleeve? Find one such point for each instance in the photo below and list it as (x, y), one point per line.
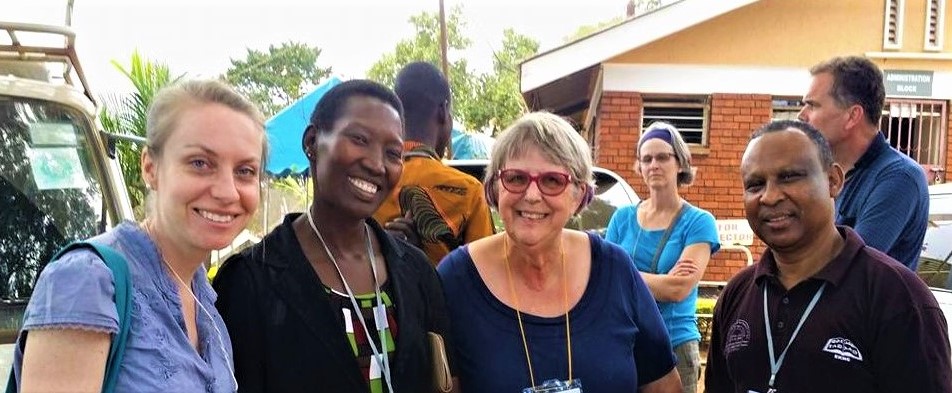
(450, 266)
(76, 291)
(703, 229)
(617, 225)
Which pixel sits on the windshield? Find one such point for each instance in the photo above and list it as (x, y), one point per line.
(49, 188)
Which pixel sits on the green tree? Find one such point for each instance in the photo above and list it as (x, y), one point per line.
(276, 78)
(638, 7)
(499, 100)
(480, 101)
(425, 46)
(126, 115)
(634, 8)
(587, 30)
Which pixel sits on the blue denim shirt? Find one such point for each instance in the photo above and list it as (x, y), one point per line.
(76, 292)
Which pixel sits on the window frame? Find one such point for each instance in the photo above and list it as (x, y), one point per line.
(703, 103)
(900, 16)
(794, 109)
(939, 26)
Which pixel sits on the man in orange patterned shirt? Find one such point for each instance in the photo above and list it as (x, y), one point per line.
(436, 207)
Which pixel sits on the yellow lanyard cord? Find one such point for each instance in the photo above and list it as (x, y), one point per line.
(565, 299)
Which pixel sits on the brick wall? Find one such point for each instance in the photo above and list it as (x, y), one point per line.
(717, 186)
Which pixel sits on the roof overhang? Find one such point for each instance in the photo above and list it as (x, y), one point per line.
(566, 96)
(564, 61)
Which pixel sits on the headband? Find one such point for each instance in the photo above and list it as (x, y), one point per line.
(657, 133)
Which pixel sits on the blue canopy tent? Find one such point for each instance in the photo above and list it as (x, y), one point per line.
(286, 128)
(470, 146)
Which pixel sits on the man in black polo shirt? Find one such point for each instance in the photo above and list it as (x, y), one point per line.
(843, 317)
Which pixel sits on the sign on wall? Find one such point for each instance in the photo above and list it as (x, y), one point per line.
(736, 232)
(908, 83)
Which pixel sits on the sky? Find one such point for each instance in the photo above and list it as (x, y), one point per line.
(198, 37)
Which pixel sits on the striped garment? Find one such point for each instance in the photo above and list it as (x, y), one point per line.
(357, 338)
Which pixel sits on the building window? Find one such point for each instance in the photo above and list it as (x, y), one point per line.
(688, 114)
(892, 24)
(935, 22)
(786, 108)
(917, 128)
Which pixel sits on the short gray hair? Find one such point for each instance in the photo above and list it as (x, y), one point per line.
(554, 137)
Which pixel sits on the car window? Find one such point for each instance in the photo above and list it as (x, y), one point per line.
(611, 193)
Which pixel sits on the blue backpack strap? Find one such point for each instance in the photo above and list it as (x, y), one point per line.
(123, 290)
(123, 296)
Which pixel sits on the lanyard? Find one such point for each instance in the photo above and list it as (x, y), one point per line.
(565, 299)
(774, 362)
(381, 356)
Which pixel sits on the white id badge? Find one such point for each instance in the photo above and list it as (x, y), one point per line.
(374, 367)
(380, 317)
(556, 386)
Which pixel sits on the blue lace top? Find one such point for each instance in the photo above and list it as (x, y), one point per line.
(76, 292)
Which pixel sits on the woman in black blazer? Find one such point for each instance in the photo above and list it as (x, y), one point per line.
(303, 306)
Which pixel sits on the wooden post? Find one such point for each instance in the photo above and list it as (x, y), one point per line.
(443, 39)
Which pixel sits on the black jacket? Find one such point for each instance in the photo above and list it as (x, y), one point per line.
(286, 336)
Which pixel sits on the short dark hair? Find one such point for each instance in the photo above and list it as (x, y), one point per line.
(329, 108)
(856, 81)
(824, 153)
(422, 88)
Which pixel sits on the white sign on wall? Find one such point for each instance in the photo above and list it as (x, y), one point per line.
(735, 232)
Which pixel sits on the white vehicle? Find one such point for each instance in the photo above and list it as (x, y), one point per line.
(59, 180)
(936, 256)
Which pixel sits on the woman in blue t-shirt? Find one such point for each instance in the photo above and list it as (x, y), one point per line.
(540, 305)
(670, 240)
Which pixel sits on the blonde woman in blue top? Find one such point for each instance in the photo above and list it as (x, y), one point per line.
(671, 270)
(202, 162)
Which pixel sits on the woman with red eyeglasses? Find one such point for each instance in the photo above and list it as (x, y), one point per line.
(669, 240)
(544, 308)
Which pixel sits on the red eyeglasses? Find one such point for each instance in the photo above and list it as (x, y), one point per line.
(550, 183)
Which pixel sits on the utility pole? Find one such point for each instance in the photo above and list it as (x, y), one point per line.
(69, 13)
(444, 62)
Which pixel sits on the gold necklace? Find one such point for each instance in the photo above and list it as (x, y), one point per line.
(565, 299)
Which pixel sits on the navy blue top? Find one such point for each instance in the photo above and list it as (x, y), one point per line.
(886, 200)
(616, 330)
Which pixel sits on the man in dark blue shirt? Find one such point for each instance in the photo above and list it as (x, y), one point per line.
(885, 197)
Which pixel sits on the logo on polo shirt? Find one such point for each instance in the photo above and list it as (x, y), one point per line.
(842, 349)
(738, 337)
